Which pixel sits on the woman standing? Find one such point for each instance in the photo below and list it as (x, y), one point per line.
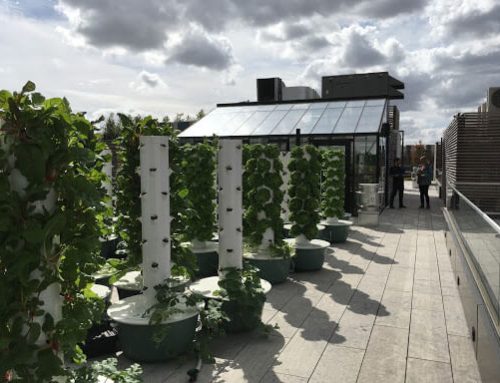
(424, 174)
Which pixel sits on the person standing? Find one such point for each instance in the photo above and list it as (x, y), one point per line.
(398, 183)
(424, 174)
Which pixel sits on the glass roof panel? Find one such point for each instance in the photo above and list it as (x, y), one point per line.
(233, 124)
(327, 122)
(370, 119)
(269, 123)
(283, 107)
(336, 104)
(301, 106)
(252, 123)
(356, 103)
(287, 125)
(207, 125)
(380, 102)
(348, 121)
(309, 120)
(319, 105)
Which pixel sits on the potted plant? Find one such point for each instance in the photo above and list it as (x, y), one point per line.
(50, 204)
(332, 193)
(159, 309)
(198, 169)
(240, 290)
(304, 206)
(128, 187)
(262, 223)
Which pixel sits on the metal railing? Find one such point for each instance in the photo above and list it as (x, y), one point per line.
(481, 237)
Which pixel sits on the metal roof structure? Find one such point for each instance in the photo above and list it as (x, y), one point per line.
(316, 117)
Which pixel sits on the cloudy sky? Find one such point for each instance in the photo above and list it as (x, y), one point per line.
(162, 57)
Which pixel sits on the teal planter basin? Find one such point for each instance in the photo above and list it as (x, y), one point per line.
(138, 343)
(208, 263)
(138, 337)
(335, 232)
(273, 270)
(310, 257)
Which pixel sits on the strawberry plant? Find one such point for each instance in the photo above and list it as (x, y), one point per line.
(332, 186)
(262, 181)
(50, 209)
(198, 169)
(304, 167)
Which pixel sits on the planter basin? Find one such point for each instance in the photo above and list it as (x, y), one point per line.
(274, 270)
(137, 335)
(336, 232)
(288, 226)
(237, 321)
(131, 284)
(309, 257)
(207, 259)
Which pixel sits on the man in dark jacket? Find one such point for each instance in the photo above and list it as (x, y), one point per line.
(398, 182)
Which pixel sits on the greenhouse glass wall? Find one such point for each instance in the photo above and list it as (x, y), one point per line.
(356, 126)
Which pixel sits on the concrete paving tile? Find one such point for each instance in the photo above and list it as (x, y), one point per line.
(428, 338)
(385, 357)
(403, 298)
(463, 360)
(455, 317)
(426, 286)
(428, 371)
(427, 301)
(254, 360)
(424, 273)
(301, 354)
(274, 377)
(338, 364)
(393, 314)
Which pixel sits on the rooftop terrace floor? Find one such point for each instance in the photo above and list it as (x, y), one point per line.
(385, 308)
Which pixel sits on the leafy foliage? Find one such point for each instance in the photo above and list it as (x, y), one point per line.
(107, 369)
(244, 297)
(128, 189)
(262, 196)
(198, 168)
(54, 152)
(332, 186)
(304, 191)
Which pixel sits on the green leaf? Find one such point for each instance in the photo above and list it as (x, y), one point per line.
(28, 87)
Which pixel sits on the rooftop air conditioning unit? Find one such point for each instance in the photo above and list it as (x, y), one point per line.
(494, 100)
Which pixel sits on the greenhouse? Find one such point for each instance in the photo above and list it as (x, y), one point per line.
(358, 127)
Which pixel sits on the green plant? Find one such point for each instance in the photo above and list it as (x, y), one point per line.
(50, 209)
(304, 190)
(262, 180)
(332, 186)
(107, 369)
(198, 168)
(243, 297)
(128, 189)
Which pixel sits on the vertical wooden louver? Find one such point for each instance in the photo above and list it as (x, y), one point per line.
(471, 145)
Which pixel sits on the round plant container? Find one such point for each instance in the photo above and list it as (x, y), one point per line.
(309, 256)
(288, 226)
(207, 257)
(137, 336)
(102, 291)
(335, 231)
(207, 287)
(272, 269)
(131, 284)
